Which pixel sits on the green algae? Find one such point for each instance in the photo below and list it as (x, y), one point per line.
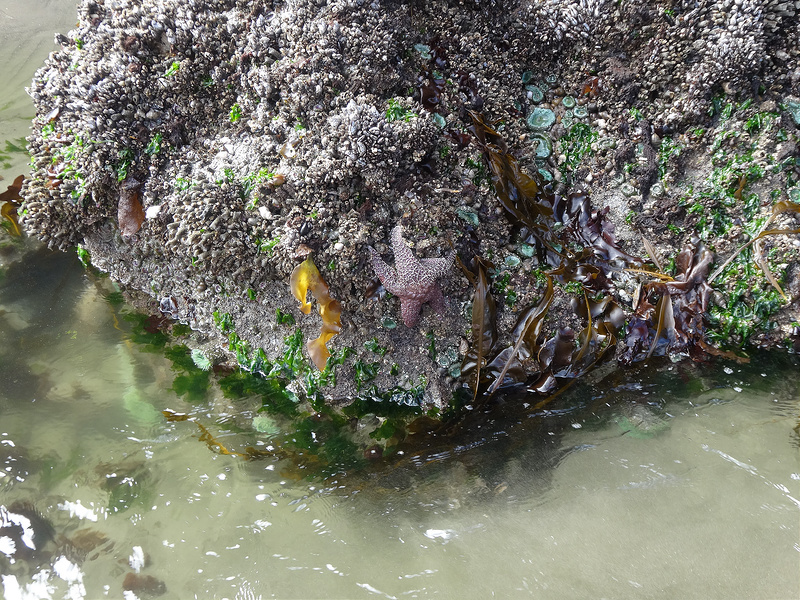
(576, 145)
(275, 399)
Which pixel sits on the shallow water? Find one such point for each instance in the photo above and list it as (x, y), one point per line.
(676, 481)
(27, 28)
(661, 483)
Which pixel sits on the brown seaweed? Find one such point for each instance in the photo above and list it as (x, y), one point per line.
(130, 213)
(578, 242)
(740, 188)
(590, 227)
(526, 340)
(517, 191)
(205, 435)
(604, 318)
(530, 205)
(591, 87)
(11, 202)
(777, 209)
(468, 85)
(484, 324)
(761, 261)
(665, 323)
(554, 363)
(676, 321)
(430, 93)
(12, 192)
(651, 252)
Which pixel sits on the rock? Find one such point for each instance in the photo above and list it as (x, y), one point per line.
(309, 130)
(144, 585)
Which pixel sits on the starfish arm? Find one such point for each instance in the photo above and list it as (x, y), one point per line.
(436, 298)
(410, 309)
(408, 267)
(385, 273)
(438, 267)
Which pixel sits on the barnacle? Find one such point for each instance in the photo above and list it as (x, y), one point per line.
(305, 278)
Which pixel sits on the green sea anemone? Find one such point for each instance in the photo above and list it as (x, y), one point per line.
(793, 108)
(544, 147)
(541, 119)
(534, 93)
(266, 425)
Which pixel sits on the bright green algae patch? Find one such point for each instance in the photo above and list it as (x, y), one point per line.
(293, 421)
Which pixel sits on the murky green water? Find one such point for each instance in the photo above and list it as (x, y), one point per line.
(680, 481)
(669, 483)
(26, 37)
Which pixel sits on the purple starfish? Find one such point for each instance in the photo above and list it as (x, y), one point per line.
(412, 280)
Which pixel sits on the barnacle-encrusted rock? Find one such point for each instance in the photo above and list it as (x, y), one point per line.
(265, 133)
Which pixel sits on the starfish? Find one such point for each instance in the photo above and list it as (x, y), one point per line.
(413, 281)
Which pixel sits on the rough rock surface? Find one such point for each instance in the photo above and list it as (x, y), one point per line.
(253, 134)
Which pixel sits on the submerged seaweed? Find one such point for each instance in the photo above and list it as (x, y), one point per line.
(191, 381)
(11, 202)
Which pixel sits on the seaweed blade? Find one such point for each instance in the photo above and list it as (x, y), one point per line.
(526, 334)
(484, 324)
